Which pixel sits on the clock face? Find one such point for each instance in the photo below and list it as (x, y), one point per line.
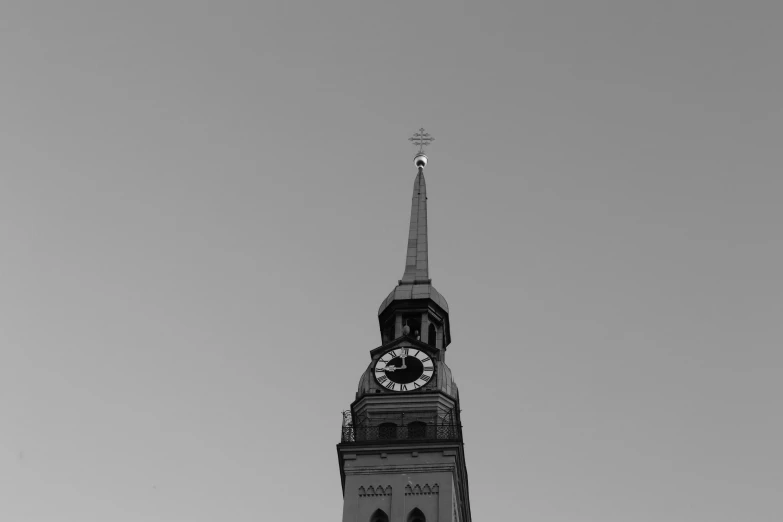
(404, 369)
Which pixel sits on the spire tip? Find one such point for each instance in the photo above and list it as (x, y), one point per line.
(422, 139)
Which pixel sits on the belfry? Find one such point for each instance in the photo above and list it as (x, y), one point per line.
(401, 453)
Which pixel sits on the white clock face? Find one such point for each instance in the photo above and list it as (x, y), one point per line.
(404, 369)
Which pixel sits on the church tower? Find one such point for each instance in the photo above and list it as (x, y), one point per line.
(401, 453)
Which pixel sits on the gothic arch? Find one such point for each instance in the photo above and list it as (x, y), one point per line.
(416, 516)
(380, 516)
(416, 489)
(375, 491)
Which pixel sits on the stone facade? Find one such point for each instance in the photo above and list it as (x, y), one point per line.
(400, 483)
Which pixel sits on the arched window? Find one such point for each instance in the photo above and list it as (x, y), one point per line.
(388, 330)
(417, 430)
(416, 516)
(412, 321)
(432, 335)
(380, 516)
(387, 430)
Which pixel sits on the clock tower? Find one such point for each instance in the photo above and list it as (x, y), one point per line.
(401, 452)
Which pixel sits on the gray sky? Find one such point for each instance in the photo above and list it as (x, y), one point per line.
(204, 203)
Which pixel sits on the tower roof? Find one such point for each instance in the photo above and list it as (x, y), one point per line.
(416, 267)
(416, 282)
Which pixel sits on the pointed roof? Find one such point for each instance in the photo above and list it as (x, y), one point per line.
(416, 282)
(416, 267)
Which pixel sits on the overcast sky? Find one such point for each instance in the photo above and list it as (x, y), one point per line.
(203, 204)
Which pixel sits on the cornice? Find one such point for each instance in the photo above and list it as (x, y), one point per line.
(409, 340)
(424, 468)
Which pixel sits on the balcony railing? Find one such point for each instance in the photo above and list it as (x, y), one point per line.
(387, 433)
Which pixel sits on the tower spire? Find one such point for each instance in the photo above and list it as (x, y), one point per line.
(416, 262)
(407, 403)
(415, 288)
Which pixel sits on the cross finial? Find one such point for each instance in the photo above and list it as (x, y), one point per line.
(422, 139)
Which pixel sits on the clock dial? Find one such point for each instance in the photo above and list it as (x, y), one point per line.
(404, 369)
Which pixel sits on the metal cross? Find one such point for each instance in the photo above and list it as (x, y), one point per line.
(422, 139)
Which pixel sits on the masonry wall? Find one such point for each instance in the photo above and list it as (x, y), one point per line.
(398, 483)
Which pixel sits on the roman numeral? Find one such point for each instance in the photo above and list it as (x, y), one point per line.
(382, 379)
(416, 385)
(425, 378)
(428, 368)
(404, 388)
(404, 351)
(379, 370)
(389, 385)
(425, 359)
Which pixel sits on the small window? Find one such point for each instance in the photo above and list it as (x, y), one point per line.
(432, 335)
(388, 330)
(414, 323)
(380, 516)
(417, 430)
(387, 430)
(416, 516)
